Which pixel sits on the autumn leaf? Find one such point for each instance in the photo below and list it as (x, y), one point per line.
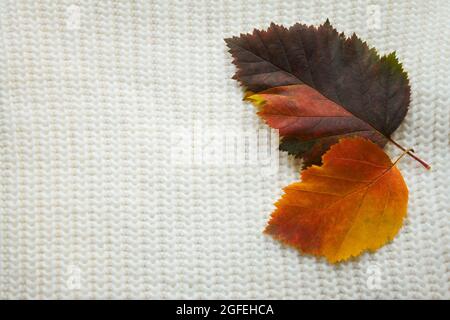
(326, 86)
(355, 201)
(309, 122)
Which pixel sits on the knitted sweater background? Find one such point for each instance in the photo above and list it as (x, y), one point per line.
(102, 198)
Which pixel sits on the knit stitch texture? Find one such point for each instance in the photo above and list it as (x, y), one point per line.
(101, 199)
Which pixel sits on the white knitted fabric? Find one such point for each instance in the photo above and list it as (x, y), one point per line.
(98, 199)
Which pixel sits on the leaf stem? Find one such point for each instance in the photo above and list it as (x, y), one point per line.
(410, 152)
(402, 155)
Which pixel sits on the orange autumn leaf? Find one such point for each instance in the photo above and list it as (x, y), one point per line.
(355, 201)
